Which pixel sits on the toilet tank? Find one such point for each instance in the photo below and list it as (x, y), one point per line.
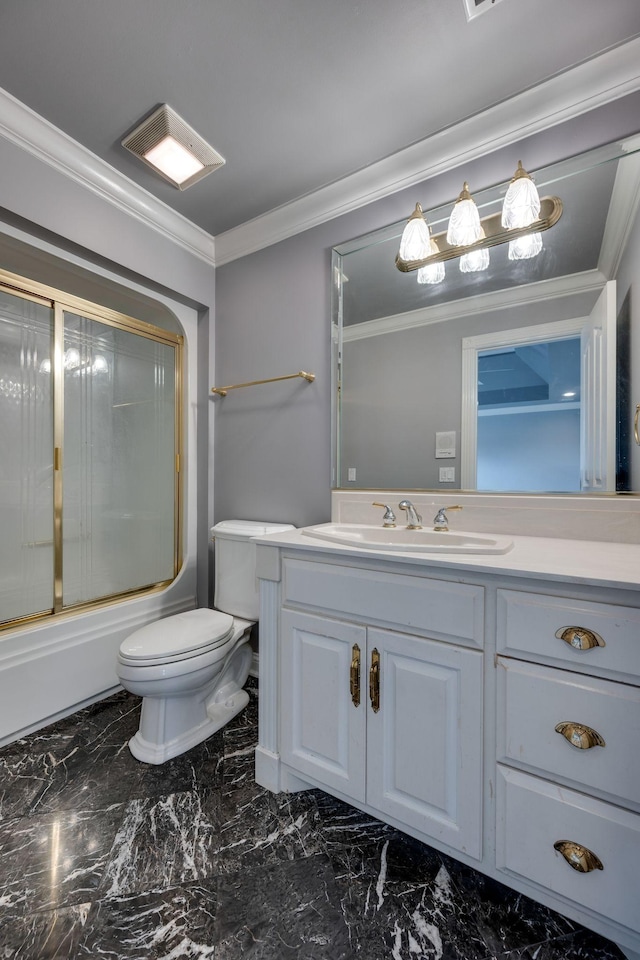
(235, 583)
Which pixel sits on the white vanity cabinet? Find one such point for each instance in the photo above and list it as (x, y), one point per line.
(386, 719)
(568, 776)
(380, 679)
(492, 713)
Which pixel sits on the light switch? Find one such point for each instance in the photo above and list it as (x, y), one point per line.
(351, 474)
(447, 474)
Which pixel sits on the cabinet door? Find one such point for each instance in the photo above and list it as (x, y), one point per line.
(425, 741)
(322, 731)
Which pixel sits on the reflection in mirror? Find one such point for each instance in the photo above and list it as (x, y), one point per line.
(519, 377)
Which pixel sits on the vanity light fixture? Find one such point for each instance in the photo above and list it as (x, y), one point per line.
(166, 143)
(521, 222)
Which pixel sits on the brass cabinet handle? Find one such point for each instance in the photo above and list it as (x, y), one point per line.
(579, 735)
(354, 679)
(580, 638)
(580, 858)
(374, 681)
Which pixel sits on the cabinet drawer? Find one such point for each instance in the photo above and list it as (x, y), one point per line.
(528, 623)
(533, 700)
(534, 814)
(441, 609)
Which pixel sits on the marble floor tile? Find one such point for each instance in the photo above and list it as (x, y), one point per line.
(55, 860)
(162, 842)
(177, 924)
(45, 935)
(104, 856)
(283, 911)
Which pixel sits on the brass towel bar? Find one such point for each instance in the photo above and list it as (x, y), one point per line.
(222, 391)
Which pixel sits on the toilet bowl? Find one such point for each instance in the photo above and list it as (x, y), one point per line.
(190, 668)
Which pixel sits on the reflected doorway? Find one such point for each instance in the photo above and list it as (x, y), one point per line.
(529, 417)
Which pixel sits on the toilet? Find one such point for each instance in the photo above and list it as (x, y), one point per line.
(190, 669)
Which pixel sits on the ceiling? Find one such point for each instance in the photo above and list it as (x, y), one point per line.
(295, 94)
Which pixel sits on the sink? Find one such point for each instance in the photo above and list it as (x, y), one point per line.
(411, 541)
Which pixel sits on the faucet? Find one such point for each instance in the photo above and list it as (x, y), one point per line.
(413, 517)
(440, 521)
(389, 518)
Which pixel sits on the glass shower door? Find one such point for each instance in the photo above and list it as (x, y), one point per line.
(119, 466)
(26, 457)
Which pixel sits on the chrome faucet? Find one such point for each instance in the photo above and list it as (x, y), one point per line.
(441, 521)
(389, 518)
(414, 520)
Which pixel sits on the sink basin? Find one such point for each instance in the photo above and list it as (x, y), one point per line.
(411, 541)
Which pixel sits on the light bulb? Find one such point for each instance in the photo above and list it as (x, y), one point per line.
(432, 273)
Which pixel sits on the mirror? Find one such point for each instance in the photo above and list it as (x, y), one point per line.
(516, 378)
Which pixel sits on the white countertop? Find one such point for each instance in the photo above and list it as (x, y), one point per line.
(598, 563)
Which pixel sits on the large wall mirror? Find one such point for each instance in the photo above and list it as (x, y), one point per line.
(524, 376)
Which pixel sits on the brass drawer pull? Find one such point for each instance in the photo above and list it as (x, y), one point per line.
(374, 681)
(580, 638)
(579, 735)
(354, 679)
(580, 858)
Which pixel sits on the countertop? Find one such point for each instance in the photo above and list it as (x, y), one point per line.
(589, 562)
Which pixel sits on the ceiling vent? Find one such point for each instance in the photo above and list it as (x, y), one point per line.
(166, 143)
(473, 8)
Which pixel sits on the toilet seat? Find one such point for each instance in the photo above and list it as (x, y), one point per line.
(180, 637)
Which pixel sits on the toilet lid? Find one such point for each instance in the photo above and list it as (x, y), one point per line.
(181, 635)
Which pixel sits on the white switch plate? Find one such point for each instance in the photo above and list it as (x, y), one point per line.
(447, 474)
(446, 445)
(351, 474)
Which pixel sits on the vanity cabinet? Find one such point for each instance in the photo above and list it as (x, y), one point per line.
(491, 713)
(386, 719)
(568, 780)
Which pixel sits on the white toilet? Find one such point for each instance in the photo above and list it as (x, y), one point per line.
(190, 668)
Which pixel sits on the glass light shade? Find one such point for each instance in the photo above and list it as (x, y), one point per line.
(475, 261)
(432, 273)
(521, 205)
(464, 222)
(416, 238)
(174, 160)
(524, 248)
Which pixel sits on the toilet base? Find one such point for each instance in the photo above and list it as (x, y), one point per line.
(172, 725)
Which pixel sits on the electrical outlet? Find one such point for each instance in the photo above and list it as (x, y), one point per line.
(351, 474)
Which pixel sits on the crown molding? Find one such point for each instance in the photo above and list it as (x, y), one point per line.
(590, 281)
(30, 132)
(605, 78)
(589, 85)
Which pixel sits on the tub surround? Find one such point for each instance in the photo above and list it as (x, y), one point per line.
(424, 691)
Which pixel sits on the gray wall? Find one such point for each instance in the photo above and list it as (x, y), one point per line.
(272, 443)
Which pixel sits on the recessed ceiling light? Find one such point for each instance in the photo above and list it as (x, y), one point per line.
(166, 143)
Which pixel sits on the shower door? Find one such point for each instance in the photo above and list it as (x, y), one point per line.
(118, 469)
(26, 456)
(89, 456)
